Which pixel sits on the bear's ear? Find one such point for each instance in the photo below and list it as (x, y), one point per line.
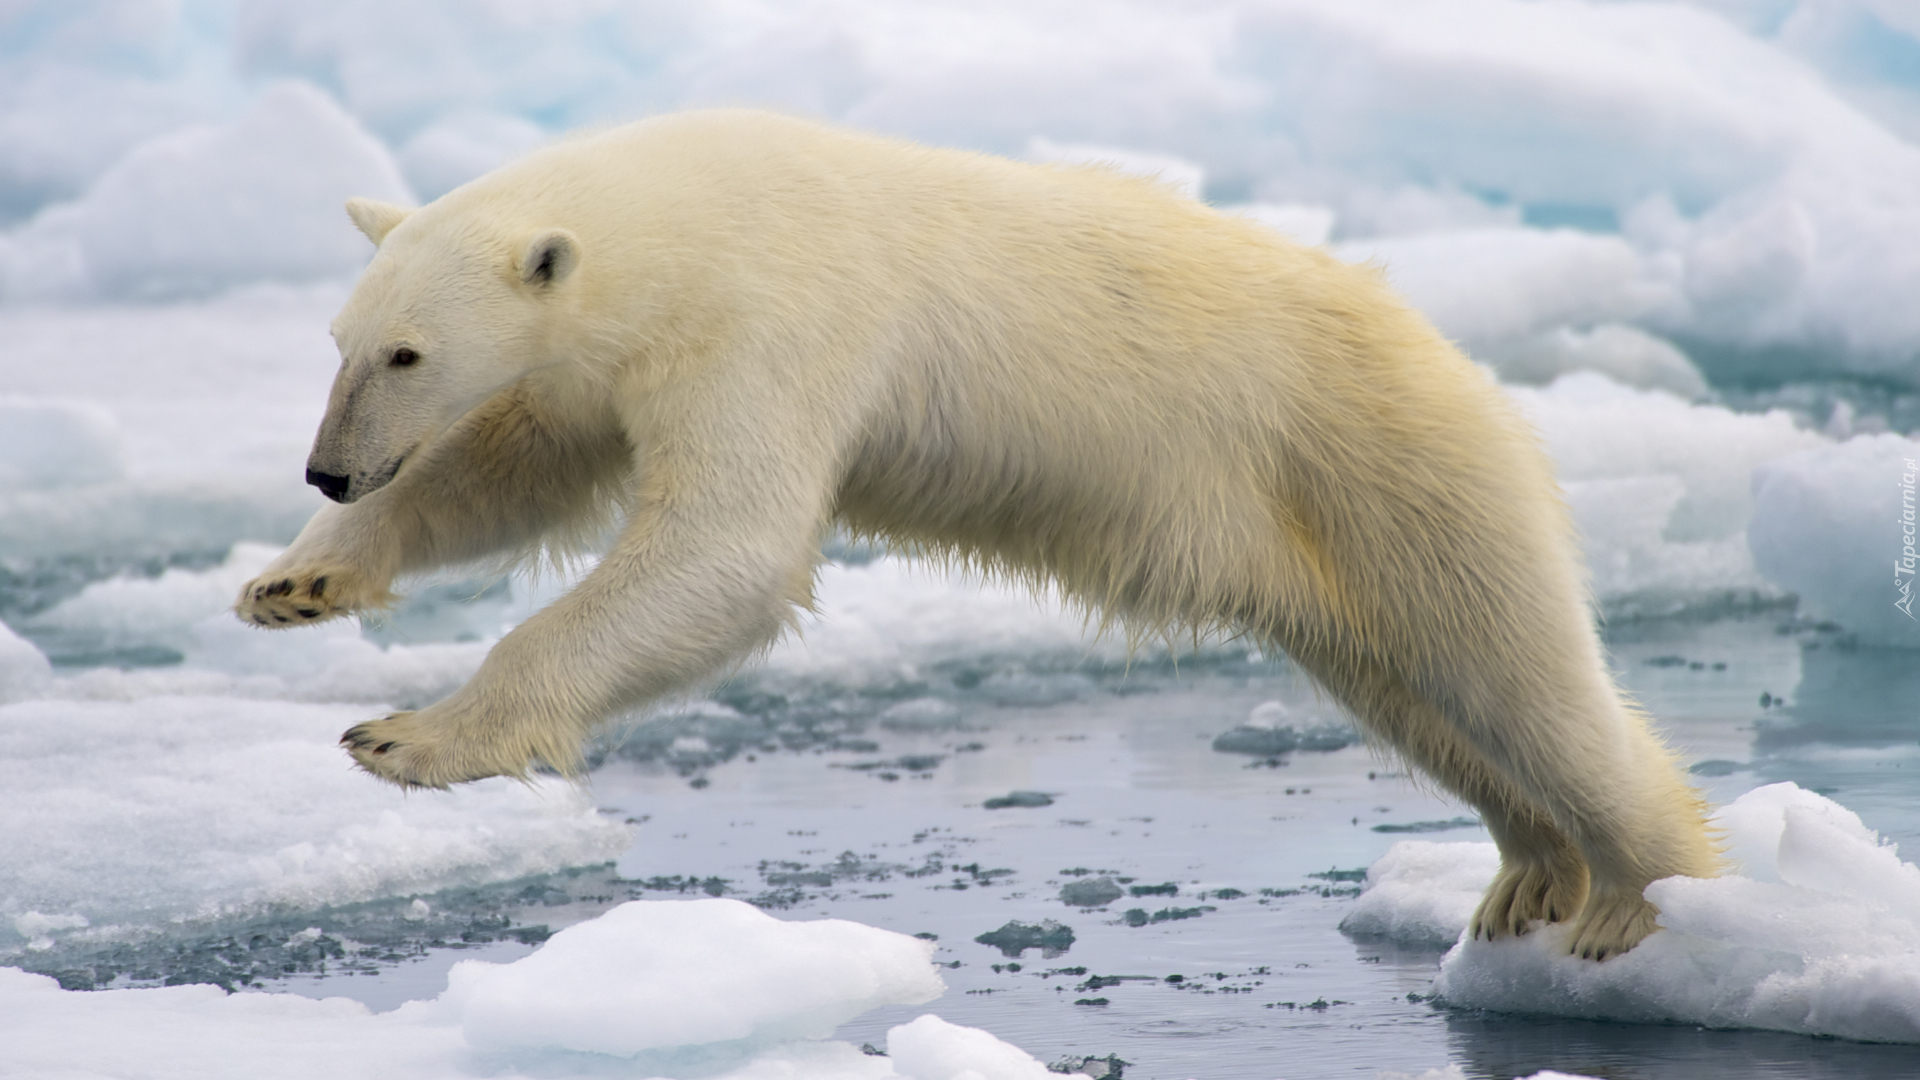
(551, 255)
(376, 218)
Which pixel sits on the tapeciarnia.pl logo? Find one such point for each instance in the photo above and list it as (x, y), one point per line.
(1905, 563)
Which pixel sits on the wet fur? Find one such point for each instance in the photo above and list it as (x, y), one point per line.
(1060, 375)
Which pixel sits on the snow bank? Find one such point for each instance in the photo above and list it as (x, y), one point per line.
(133, 814)
(644, 990)
(1836, 525)
(1818, 932)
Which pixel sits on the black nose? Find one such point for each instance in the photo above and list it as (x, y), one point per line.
(333, 487)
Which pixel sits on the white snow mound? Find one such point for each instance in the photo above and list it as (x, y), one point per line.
(1816, 932)
(655, 974)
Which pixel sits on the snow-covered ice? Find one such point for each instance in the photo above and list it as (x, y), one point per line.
(1816, 930)
(702, 988)
(136, 815)
(617, 984)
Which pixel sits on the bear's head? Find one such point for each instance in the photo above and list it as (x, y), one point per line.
(447, 315)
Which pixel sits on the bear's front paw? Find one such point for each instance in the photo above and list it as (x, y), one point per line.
(410, 750)
(303, 595)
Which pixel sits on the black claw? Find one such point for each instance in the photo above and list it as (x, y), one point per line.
(319, 586)
(307, 612)
(281, 618)
(383, 748)
(261, 619)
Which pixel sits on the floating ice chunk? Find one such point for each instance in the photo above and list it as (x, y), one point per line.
(62, 124)
(1422, 893)
(929, 1048)
(873, 621)
(187, 613)
(1178, 173)
(37, 927)
(158, 608)
(135, 814)
(1836, 525)
(1820, 934)
(687, 989)
(921, 714)
(1274, 728)
(460, 147)
(1489, 286)
(1660, 489)
(202, 209)
(149, 519)
(654, 974)
(1624, 354)
(1408, 209)
(201, 1032)
(24, 670)
(55, 444)
(1310, 225)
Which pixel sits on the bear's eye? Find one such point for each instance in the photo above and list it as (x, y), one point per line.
(404, 357)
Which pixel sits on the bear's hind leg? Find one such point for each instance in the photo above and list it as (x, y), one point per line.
(1608, 785)
(1543, 876)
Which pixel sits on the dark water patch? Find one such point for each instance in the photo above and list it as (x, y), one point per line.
(1429, 826)
(1140, 917)
(361, 938)
(1050, 937)
(1019, 799)
(1091, 892)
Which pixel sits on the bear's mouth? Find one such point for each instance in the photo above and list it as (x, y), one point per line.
(380, 479)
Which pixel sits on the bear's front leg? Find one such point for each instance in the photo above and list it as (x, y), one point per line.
(336, 567)
(547, 685)
(686, 591)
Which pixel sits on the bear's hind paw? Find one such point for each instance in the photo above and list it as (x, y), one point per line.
(1612, 923)
(1524, 894)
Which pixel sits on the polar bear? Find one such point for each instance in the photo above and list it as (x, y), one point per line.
(725, 331)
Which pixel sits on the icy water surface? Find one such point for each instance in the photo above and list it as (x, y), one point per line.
(1224, 875)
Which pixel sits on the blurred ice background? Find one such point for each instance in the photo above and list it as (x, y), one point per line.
(1686, 235)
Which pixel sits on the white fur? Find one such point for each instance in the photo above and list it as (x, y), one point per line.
(729, 330)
